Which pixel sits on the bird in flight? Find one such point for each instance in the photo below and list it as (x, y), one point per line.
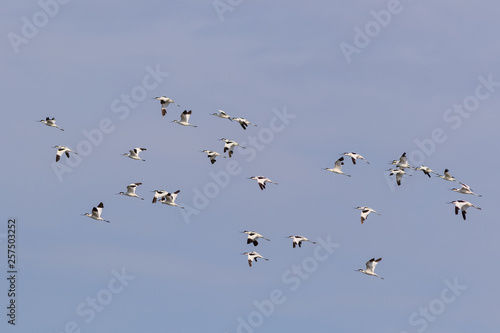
(426, 170)
(96, 213)
(169, 199)
(297, 240)
(465, 189)
(253, 256)
(243, 122)
(134, 153)
(402, 163)
(365, 211)
(261, 180)
(222, 115)
(50, 122)
(399, 175)
(462, 205)
(253, 236)
(131, 191)
(338, 167)
(164, 102)
(355, 156)
(185, 115)
(63, 150)
(370, 267)
(229, 146)
(212, 155)
(447, 176)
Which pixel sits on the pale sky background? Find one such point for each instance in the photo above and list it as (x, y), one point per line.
(257, 57)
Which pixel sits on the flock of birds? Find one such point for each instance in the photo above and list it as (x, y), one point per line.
(169, 198)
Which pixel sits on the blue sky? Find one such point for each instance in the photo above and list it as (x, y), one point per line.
(426, 82)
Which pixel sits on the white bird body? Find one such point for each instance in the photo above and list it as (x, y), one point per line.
(338, 167)
(243, 122)
(131, 191)
(402, 163)
(355, 156)
(222, 115)
(447, 176)
(399, 175)
(297, 240)
(261, 180)
(169, 199)
(370, 267)
(134, 153)
(212, 155)
(96, 213)
(465, 189)
(253, 256)
(50, 122)
(165, 102)
(63, 150)
(229, 146)
(365, 211)
(253, 236)
(185, 115)
(462, 205)
(159, 194)
(426, 170)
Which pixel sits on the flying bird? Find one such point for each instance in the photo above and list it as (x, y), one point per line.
(134, 153)
(96, 213)
(297, 240)
(159, 194)
(462, 205)
(63, 150)
(253, 256)
(402, 163)
(355, 156)
(222, 114)
(50, 122)
(426, 170)
(370, 267)
(252, 237)
(243, 122)
(338, 167)
(229, 146)
(164, 102)
(212, 155)
(365, 211)
(261, 180)
(131, 191)
(447, 176)
(185, 119)
(399, 175)
(465, 189)
(169, 199)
